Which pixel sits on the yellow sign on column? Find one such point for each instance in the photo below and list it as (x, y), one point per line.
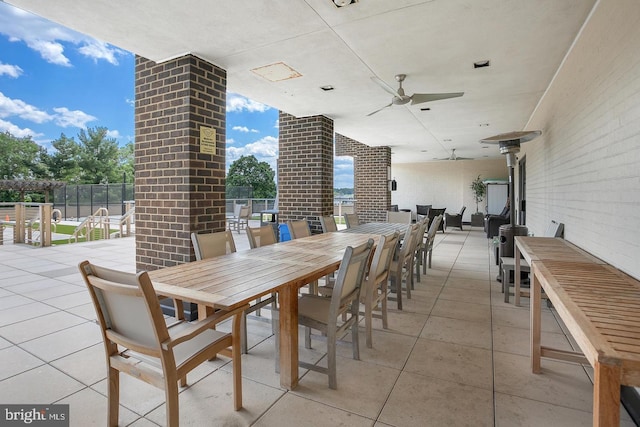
(207, 140)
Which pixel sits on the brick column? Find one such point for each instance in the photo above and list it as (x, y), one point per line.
(178, 189)
(305, 169)
(372, 194)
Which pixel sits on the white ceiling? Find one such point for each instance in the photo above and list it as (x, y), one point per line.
(434, 42)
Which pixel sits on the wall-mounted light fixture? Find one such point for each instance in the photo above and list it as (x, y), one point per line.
(393, 185)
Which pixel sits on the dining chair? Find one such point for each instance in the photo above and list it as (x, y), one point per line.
(351, 220)
(428, 246)
(401, 217)
(420, 244)
(299, 228)
(138, 341)
(261, 236)
(328, 224)
(454, 220)
(210, 245)
(375, 285)
(333, 316)
(241, 218)
(401, 270)
(258, 237)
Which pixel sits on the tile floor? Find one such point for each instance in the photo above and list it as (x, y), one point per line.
(457, 355)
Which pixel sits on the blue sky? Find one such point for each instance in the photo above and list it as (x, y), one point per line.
(54, 80)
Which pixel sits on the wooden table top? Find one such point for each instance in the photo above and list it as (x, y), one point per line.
(378, 228)
(233, 280)
(554, 248)
(604, 305)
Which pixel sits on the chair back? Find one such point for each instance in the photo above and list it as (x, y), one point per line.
(328, 224)
(399, 217)
(299, 229)
(351, 220)
(349, 277)
(261, 236)
(433, 228)
(394, 208)
(422, 236)
(236, 211)
(244, 213)
(555, 229)
(462, 210)
(213, 244)
(381, 261)
(127, 308)
(423, 209)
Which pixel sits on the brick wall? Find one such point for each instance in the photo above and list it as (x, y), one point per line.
(371, 182)
(178, 189)
(305, 169)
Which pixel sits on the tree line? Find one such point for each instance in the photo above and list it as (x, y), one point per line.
(92, 158)
(95, 158)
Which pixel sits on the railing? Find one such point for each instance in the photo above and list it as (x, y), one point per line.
(93, 227)
(341, 205)
(31, 222)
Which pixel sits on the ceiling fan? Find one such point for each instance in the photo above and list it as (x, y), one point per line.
(454, 156)
(399, 97)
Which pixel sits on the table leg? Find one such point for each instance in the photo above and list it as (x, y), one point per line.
(536, 317)
(288, 299)
(516, 276)
(606, 395)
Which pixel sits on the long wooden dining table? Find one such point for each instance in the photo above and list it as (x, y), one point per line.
(231, 281)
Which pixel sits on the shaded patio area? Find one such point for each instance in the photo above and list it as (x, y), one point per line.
(456, 355)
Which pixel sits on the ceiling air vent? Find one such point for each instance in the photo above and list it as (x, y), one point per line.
(482, 64)
(343, 3)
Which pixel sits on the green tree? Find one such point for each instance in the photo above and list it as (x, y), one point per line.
(126, 162)
(20, 158)
(63, 162)
(99, 157)
(247, 171)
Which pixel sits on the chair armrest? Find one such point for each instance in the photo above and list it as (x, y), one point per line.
(196, 328)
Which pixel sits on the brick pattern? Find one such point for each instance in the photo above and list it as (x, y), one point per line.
(305, 169)
(370, 165)
(178, 189)
(583, 170)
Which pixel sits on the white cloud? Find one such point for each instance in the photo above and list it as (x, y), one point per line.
(10, 70)
(16, 107)
(245, 129)
(47, 38)
(277, 124)
(16, 131)
(51, 51)
(77, 118)
(237, 103)
(114, 134)
(99, 50)
(265, 150)
(230, 141)
(131, 102)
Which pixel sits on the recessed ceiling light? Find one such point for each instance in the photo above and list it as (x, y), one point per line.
(343, 3)
(483, 125)
(423, 151)
(327, 88)
(482, 64)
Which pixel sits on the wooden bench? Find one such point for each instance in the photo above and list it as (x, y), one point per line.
(599, 306)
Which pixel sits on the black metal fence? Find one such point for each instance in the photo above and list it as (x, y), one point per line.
(79, 201)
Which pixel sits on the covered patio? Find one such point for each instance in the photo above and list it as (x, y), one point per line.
(456, 355)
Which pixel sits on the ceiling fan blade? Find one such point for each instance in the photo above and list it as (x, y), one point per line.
(419, 98)
(385, 86)
(379, 109)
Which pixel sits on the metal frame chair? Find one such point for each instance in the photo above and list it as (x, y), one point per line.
(138, 342)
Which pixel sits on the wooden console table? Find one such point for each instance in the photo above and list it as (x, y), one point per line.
(599, 305)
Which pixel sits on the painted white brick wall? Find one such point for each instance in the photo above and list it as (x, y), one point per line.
(584, 170)
(444, 184)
